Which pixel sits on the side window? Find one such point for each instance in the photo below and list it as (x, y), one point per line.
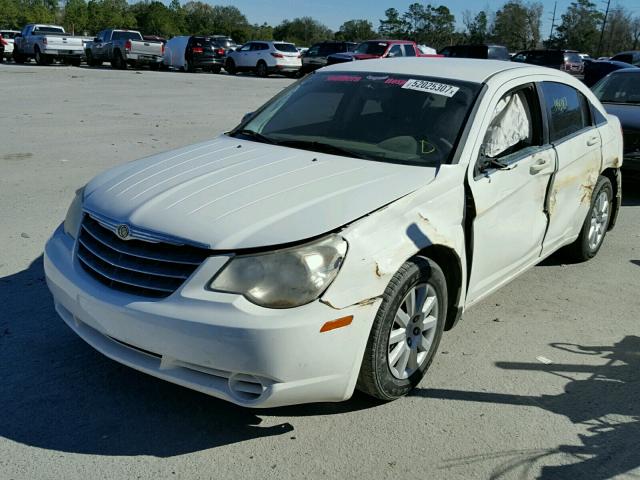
(521, 57)
(515, 126)
(246, 47)
(409, 51)
(395, 51)
(623, 57)
(313, 51)
(566, 108)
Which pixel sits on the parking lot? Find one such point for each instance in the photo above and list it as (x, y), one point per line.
(540, 380)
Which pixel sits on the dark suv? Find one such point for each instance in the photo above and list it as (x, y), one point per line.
(632, 57)
(491, 52)
(566, 60)
(316, 56)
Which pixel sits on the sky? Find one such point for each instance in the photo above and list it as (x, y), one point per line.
(335, 12)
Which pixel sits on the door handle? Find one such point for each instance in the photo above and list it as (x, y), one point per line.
(592, 141)
(538, 166)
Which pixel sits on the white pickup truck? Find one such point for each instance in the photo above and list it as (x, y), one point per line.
(47, 43)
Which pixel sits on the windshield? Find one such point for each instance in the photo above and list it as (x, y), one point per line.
(126, 36)
(372, 48)
(383, 117)
(619, 88)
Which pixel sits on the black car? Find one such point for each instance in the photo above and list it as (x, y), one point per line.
(316, 56)
(565, 60)
(596, 70)
(491, 52)
(619, 92)
(632, 57)
(204, 52)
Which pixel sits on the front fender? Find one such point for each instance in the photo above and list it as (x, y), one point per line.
(382, 241)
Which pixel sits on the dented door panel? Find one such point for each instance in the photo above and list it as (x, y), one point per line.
(579, 161)
(510, 220)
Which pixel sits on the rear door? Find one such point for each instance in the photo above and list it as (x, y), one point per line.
(578, 146)
(509, 182)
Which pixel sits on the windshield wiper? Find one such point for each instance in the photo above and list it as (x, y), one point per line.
(255, 135)
(322, 147)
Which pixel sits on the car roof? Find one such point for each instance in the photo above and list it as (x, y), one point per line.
(465, 69)
(386, 40)
(631, 69)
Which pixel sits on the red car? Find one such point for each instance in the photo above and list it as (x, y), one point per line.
(379, 49)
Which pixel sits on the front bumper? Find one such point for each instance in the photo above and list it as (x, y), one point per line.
(218, 344)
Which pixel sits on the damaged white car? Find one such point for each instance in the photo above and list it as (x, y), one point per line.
(327, 242)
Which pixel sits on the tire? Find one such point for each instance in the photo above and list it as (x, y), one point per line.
(382, 374)
(261, 69)
(118, 62)
(188, 67)
(92, 62)
(595, 224)
(76, 62)
(18, 58)
(216, 69)
(41, 59)
(230, 67)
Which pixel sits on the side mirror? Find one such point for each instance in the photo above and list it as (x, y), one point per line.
(391, 55)
(96, 39)
(238, 49)
(246, 117)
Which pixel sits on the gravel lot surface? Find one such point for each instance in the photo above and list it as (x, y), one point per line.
(541, 380)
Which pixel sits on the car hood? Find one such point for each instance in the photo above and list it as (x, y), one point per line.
(629, 115)
(232, 194)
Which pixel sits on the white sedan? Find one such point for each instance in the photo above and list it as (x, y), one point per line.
(328, 241)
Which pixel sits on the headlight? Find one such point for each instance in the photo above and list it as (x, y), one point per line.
(284, 278)
(74, 214)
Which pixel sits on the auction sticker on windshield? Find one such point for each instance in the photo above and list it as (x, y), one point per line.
(431, 87)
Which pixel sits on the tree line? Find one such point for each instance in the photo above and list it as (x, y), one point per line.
(517, 24)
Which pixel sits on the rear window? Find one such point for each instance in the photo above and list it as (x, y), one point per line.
(572, 57)
(545, 58)
(498, 53)
(49, 30)
(623, 57)
(126, 36)
(285, 47)
(201, 42)
(329, 48)
(372, 48)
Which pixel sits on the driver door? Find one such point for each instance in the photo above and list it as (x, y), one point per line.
(509, 184)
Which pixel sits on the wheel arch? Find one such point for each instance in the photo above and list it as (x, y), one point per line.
(451, 265)
(613, 174)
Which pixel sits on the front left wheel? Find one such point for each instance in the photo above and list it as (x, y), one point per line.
(406, 331)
